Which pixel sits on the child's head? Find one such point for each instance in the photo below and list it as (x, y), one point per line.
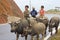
(42, 7)
(33, 8)
(26, 7)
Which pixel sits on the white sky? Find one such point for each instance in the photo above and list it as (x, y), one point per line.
(48, 4)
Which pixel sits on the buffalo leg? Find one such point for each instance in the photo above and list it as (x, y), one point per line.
(45, 30)
(25, 37)
(56, 28)
(51, 31)
(32, 38)
(17, 36)
(43, 36)
(37, 37)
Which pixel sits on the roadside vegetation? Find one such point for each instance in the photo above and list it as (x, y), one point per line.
(56, 36)
(53, 11)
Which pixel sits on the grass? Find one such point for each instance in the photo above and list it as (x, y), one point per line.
(56, 36)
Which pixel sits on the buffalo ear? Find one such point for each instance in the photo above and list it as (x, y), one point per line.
(10, 23)
(17, 22)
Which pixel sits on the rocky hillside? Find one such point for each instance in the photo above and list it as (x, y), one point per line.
(9, 8)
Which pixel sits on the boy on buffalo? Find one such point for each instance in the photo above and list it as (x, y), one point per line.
(42, 12)
(33, 12)
(26, 12)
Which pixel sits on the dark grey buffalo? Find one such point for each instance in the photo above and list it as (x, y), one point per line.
(20, 28)
(54, 22)
(43, 20)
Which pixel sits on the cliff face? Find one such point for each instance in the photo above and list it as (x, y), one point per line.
(9, 7)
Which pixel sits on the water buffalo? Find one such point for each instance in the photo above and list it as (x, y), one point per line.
(19, 28)
(54, 22)
(36, 29)
(43, 20)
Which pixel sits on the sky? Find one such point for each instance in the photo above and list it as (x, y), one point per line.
(48, 4)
